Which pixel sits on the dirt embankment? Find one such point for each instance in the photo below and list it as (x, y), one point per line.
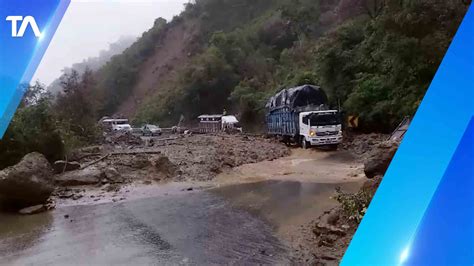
(330, 234)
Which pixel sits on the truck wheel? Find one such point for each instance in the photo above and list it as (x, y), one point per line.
(304, 144)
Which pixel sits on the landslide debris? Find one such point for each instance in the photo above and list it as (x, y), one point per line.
(176, 158)
(361, 145)
(334, 230)
(183, 158)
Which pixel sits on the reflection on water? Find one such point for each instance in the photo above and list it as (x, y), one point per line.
(219, 226)
(195, 228)
(23, 231)
(283, 202)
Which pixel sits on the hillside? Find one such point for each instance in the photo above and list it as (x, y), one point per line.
(374, 58)
(93, 63)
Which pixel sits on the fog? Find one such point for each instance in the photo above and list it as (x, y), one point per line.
(89, 26)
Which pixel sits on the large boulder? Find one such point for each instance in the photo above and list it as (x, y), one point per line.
(27, 183)
(87, 176)
(379, 159)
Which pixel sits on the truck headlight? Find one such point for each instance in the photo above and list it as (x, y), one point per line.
(312, 133)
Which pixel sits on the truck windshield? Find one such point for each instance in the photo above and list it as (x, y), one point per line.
(324, 119)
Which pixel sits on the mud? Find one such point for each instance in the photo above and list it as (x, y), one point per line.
(259, 207)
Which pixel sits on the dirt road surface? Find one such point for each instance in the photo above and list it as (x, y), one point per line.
(253, 214)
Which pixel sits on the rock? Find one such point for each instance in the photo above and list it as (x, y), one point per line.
(66, 195)
(27, 183)
(332, 218)
(164, 166)
(64, 166)
(125, 138)
(33, 210)
(91, 149)
(111, 188)
(77, 197)
(379, 159)
(66, 216)
(113, 176)
(87, 176)
(324, 229)
(139, 162)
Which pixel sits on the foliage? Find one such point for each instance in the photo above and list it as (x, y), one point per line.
(355, 205)
(74, 109)
(373, 58)
(51, 126)
(33, 128)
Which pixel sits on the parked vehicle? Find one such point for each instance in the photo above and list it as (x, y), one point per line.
(302, 115)
(110, 124)
(151, 130)
(122, 127)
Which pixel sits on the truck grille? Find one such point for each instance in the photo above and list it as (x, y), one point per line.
(327, 133)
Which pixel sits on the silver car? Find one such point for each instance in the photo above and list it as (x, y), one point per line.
(151, 130)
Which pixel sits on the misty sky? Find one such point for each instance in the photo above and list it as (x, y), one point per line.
(91, 25)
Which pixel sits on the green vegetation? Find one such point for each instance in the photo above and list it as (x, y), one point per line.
(354, 206)
(376, 63)
(375, 59)
(33, 128)
(50, 126)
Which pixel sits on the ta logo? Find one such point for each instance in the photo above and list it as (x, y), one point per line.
(25, 22)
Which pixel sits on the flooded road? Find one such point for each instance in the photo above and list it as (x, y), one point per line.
(253, 222)
(197, 228)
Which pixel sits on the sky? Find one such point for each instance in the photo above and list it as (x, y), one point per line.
(89, 26)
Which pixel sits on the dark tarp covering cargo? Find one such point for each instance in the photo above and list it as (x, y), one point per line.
(300, 97)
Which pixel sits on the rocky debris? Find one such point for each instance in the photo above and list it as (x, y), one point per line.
(111, 188)
(33, 210)
(379, 159)
(65, 166)
(91, 149)
(333, 232)
(79, 154)
(164, 166)
(124, 138)
(87, 176)
(139, 161)
(27, 183)
(362, 144)
(202, 157)
(370, 186)
(113, 176)
(332, 218)
(327, 229)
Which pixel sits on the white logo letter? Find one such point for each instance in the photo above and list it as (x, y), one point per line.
(14, 19)
(29, 20)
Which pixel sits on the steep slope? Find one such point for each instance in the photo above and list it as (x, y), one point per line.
(234, 54)
(169, 57)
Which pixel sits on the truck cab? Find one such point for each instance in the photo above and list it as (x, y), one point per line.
(318, 128)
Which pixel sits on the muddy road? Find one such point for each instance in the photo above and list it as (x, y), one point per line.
(252, 214)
